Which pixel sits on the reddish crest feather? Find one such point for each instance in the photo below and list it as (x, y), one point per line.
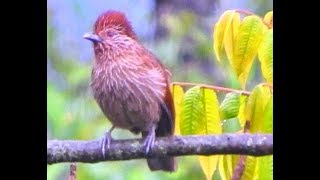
(114, 19)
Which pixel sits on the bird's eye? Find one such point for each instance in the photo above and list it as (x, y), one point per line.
(110, 33)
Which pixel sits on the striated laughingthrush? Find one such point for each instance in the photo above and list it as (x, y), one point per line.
(131, 85)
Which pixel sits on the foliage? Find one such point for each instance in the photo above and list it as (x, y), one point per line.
(239, 41)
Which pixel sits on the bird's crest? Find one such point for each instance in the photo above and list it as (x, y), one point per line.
(114, 19)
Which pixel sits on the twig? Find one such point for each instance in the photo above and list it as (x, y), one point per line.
(217, 88)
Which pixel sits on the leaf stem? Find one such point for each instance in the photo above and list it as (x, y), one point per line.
(217, 88)
(245, 12)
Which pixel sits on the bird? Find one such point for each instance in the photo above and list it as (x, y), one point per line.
(131, 85)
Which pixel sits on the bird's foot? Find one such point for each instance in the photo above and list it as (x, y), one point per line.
(106, 141)
(149, 141)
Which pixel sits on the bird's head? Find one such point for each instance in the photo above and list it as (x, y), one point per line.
(112, 35)
(109, 26)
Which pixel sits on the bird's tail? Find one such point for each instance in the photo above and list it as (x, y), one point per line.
(163, 164)
(165, 128)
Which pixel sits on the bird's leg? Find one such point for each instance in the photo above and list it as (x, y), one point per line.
(149, 139)
(106, 141)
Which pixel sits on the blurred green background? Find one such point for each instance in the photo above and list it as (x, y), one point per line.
(177, 32)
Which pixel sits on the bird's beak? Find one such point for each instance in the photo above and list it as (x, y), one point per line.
(92, 37)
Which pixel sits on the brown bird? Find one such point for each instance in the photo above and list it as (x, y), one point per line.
(131, 85)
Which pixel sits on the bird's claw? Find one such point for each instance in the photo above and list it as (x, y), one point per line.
(106, 141)
(149, 142)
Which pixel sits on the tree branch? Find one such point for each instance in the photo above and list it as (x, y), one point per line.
(59, 151)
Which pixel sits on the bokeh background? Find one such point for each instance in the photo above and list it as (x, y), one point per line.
(178, 32)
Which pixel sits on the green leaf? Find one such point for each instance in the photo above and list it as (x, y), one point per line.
(267, 125)
(258, 168)
(230, 36)
(268, 18)
(210, 121)
(177, 93)
(265, 55)
(251, 169)
(200, 112)
(229, 107)
(211, 124)
(208, 164)
(255, 108)
(242, 108)
(219, 32)
(259, 110)
(200, 115)
(192, 111)
(225, 167)
(246, 46)
(265, 170)
(235, 160)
